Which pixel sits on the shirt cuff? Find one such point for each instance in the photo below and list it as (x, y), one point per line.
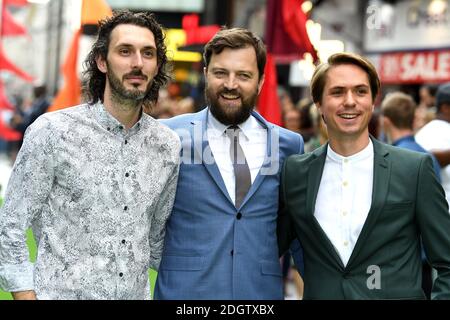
(17, 277)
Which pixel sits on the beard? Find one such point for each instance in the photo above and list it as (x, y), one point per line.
(230, 115)
(118, 90)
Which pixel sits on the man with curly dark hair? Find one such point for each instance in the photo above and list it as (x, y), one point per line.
(98, 76)
(96, 182)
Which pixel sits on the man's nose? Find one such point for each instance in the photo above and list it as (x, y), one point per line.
(137, 62)
(231, 82)
(349, 98)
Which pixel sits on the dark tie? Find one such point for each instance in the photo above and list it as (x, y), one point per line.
(241, 171)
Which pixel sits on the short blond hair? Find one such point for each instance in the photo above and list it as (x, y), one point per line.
(400, 108)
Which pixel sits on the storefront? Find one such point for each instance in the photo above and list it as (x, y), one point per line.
(409, 41)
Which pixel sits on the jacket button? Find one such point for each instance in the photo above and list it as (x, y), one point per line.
(239, 216)
(231, 252)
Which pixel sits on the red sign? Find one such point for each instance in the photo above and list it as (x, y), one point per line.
(196, 34)
(415, 67)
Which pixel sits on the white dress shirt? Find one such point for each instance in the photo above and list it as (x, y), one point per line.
(345, 197)
(253, 140)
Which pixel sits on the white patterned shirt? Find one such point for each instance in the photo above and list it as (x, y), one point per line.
(97, 197)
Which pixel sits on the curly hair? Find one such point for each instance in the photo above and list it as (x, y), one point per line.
(94, 80)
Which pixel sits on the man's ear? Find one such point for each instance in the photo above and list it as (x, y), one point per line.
(260, 84)
(101, 64)
(319, 108)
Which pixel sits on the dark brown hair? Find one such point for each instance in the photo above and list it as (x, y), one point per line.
(236, 38)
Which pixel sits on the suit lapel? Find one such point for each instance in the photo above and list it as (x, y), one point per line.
(202, 151)
(381, 176)
(314, 177)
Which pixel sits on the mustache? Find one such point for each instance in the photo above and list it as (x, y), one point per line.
(135, 73)
(232, 92)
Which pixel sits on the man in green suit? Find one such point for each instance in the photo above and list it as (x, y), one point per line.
(360, 207)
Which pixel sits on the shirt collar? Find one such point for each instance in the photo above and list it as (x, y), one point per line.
(406, 138)
(219, 128)
(365, 153)
(110, 123)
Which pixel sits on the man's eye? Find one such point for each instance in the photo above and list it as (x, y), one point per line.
(245, 76)
(148, 54)
(124, 51)
(361, 91)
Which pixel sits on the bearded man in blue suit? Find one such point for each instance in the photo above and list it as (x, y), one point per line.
(221, 240)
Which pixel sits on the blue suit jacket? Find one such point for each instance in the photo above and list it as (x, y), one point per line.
(214, 250)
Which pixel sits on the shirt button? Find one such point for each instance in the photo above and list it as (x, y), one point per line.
(123, 241)
(344, 213)
(345, 183)
(125, 208)
(109, 129)
(239, 216)
(345, 160)
(345, 243)
(127, 174)
(121, 274)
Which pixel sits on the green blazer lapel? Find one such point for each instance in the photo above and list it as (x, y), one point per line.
(381, 177)
(314, 177)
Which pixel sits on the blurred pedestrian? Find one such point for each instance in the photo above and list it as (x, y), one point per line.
(21, 121)
(426, 110)
(435, 136)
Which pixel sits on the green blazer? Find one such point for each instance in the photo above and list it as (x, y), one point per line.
(407, 202)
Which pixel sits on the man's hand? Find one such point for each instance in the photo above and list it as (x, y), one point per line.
(24, 295)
